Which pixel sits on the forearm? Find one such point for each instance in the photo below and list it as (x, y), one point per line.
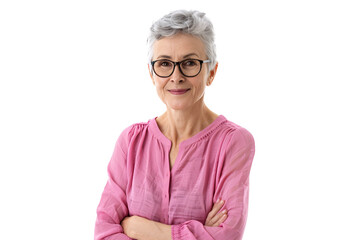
(144, 229)
(155, 231)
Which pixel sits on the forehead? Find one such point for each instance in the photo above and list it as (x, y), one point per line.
(179, 46)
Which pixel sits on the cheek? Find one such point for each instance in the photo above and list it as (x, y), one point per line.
(200, 87)
(160, 85)
(158, 89)
(157, 83)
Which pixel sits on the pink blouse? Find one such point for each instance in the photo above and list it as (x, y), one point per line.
(213, 164)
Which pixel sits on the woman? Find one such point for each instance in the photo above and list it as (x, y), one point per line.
(184, 174)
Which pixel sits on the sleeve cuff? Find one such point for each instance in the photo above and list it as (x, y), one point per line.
(181, 232)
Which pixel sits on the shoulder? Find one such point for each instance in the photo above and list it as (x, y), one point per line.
(238, 149)
(237, 137)
(134, 129)
(240, 133)
(132, 132)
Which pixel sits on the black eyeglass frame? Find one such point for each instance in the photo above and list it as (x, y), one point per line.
(178, 63)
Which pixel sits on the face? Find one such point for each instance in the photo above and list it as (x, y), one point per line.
(177, 91)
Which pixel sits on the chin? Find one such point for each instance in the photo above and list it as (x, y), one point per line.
(178, 106)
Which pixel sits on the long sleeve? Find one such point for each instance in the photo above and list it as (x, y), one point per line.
(232, 185)
(113, 205)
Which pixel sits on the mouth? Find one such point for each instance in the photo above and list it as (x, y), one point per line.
(178, 91)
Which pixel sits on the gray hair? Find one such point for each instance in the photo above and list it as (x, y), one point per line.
(191, 22)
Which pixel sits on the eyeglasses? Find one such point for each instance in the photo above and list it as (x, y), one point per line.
(188, 67)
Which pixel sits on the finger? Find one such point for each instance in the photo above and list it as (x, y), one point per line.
(216, 208)
(221, 220)
(216, 220)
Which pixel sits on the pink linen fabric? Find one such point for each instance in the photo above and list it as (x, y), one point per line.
(213, 164)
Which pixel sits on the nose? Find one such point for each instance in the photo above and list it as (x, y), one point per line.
(177, 76)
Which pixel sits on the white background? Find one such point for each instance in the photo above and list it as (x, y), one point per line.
(74, 75)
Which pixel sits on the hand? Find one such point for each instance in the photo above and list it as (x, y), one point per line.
(128, 225)
(135, 226)
(215, 218)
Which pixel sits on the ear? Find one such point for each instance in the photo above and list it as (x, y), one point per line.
(212, 75)
(151, 74)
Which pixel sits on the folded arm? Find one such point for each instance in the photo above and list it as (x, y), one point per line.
(143, 229)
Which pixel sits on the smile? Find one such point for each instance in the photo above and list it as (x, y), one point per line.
(178, 91)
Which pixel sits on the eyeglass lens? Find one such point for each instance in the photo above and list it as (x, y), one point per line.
(190, 67)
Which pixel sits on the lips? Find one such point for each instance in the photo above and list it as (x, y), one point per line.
(178, 91)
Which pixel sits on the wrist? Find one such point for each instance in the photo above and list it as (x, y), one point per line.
(152, 230)
(163, 230)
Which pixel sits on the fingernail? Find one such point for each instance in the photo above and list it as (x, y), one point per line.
(218, 200)
(222, 201)
(223, 211)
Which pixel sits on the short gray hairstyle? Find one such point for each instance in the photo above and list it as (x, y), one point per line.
(191, 22)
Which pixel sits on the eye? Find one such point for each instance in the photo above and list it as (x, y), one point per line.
(164, 63)
(190, 63)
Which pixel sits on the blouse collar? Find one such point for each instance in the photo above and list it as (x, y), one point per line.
(197, 137)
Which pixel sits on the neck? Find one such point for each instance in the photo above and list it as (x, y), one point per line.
(179, 125)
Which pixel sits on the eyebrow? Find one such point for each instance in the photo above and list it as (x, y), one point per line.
(191, 54)
(184, 57)
(163, 56)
